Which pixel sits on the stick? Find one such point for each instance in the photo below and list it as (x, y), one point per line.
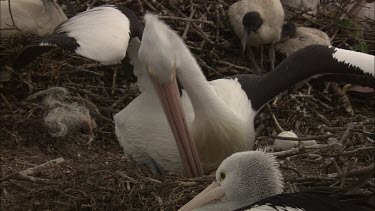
(356, 172)
(11, 14)
(296, 151)
(26, 173)
(347, 133)
(186, 19)
(307, 138)
(192, 12)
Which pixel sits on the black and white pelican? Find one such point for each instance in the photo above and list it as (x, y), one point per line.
(252, 181)
(257, 23)
(101, 34)
(216, 111)
(36, 17)
(300, 37)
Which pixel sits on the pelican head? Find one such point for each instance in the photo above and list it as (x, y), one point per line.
(243, 178)
(251, 21)
(289, 30)
(159, 52)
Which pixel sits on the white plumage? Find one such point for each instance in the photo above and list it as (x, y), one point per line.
(358, 59)
(220, 113)
(37, 17)
(304, 36)
(102, 33)
(214, 110)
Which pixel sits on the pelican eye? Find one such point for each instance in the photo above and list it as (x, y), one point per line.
(222, 176)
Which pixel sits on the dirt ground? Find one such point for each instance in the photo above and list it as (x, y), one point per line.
(96, 175)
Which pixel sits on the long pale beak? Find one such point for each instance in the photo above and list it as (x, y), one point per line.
(244, 39)
(211, 193)
(171, 103)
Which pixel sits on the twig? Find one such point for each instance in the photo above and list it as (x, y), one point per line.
(306, 138)
(310, 178)
(5, 100)
(188, 24)
(356, 172)
(11, 14)
(278, 127)
(186, 19)
(127, 177)
(339, 172)
(296, 151)
(346, 134)
(247, 70)
(345, 102)
(114, 79)
(25, 174)
(319, 115)
(80, 69)
(292, 169)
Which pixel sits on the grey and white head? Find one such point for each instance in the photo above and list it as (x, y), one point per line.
(243, 178)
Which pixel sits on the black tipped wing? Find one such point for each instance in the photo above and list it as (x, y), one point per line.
(136, 26)
(100, 34)
(314, 200)
(31, 52)
(61, 40)
(315, 61)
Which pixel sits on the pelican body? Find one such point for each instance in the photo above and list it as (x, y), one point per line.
(101, 34)
(303, 37)
(216, 111)
(36, 17)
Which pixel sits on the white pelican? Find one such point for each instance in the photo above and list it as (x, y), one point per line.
(252, 181)
(37, 17)
(257, 23)
(303, 36)
(219, 110)
(101, 34)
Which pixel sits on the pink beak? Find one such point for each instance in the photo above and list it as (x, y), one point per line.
(171, 103)
(211, 193)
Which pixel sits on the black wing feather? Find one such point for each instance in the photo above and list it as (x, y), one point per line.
(43, 45)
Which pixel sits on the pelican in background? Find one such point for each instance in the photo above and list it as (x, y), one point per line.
(253, 181)
(36, 17)
(257, 23)
(220, 113)
(101, 34)
(300, 37)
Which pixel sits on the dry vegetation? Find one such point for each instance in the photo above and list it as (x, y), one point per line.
(95, 174)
